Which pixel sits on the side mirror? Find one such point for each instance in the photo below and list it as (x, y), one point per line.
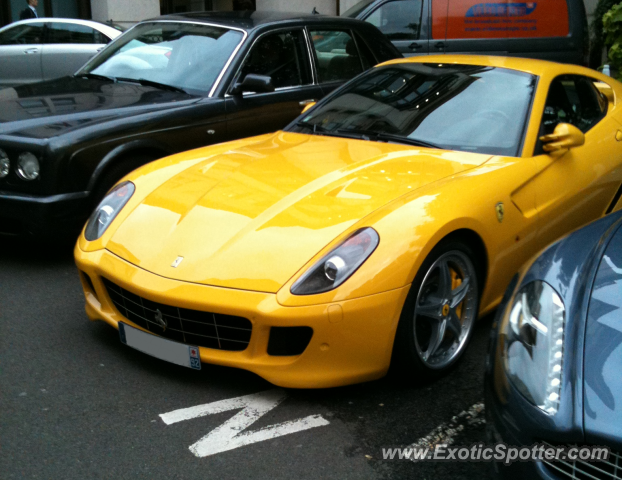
(253, 83)
(606, 90)
(564, 137)
(308, 106)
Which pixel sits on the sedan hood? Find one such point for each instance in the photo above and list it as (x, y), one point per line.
(49, 109)
(251, 217)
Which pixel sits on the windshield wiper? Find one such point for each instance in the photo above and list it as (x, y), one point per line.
(408, 141)
(95, 76)
(386, 137)
(152, 83)
(316, 128)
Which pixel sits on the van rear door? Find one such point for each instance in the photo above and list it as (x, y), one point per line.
(536, 29)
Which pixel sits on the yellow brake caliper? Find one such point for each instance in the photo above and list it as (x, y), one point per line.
(456, 281)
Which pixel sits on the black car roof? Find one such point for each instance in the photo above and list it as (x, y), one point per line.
(249, 20)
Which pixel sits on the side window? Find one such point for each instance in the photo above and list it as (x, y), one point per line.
(337, 55)
(30, 34)
(100, 37)
(367, 57)
(399, 20)
(573, 99)
(281, 56)
(64, 33)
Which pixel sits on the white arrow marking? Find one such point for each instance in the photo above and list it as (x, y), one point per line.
(231, 435)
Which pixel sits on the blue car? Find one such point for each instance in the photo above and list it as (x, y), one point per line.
(554, 367)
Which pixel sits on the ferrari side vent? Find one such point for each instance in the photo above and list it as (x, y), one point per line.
(615, 200)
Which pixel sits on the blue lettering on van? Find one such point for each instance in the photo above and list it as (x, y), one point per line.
(501, 9)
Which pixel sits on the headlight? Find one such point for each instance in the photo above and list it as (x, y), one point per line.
(533, 344)
(5, 164)
(27, 166)
(107, 210)
(336, 267)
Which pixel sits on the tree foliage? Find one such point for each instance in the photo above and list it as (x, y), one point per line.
(612, 27)
(598, 36)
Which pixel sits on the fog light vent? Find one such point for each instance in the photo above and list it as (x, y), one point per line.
(89, 282)
(288, 341)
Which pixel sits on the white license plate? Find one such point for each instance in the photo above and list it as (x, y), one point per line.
(174, 352)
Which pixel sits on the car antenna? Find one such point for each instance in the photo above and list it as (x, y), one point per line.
(314, 11)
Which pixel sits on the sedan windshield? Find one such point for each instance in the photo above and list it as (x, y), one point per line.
(454, 107)
(182, 56)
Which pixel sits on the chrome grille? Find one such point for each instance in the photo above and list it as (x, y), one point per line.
(610, 469)
(194, 327)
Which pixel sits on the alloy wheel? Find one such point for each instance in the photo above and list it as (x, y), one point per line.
(445, 309)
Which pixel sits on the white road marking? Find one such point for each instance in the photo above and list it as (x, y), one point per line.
(231, 435)
(444, 434)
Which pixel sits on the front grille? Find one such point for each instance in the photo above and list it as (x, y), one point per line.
(211, 330)
(610, 469)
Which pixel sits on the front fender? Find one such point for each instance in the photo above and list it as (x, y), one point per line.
(412, 225)
(87, 165)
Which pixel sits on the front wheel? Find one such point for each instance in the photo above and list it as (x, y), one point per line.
(439, 314)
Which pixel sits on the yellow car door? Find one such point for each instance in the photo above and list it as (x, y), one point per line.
(578, 158)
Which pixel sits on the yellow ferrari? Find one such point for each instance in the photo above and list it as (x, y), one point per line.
(377, 227)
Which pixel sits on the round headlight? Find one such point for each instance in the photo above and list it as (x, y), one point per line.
(27, 166)
(334, 268)
(5, 164)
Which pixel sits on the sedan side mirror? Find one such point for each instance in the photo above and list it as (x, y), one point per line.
(564, 137)
(253, 83)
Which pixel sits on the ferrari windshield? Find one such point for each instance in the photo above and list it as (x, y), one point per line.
(455, 107)
(184, 56)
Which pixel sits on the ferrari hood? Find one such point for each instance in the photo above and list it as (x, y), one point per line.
(251, 217)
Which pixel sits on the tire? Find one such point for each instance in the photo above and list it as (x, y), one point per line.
(115, 173)
(439, 313)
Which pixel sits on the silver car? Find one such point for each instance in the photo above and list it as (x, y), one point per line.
(45, 48)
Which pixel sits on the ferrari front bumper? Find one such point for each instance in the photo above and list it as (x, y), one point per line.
(352, 340)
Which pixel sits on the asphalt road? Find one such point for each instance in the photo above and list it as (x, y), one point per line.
(77, 404)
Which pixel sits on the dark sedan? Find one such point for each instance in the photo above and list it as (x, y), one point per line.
(167, 85)
(553, 371)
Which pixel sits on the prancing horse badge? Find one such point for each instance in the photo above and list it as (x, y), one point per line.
(500, 211)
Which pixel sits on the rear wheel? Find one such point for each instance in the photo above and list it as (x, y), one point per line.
(440, 312)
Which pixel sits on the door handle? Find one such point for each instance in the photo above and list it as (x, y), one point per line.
(439, 46)
(304, 103)
(30, 51)
(415, 46)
